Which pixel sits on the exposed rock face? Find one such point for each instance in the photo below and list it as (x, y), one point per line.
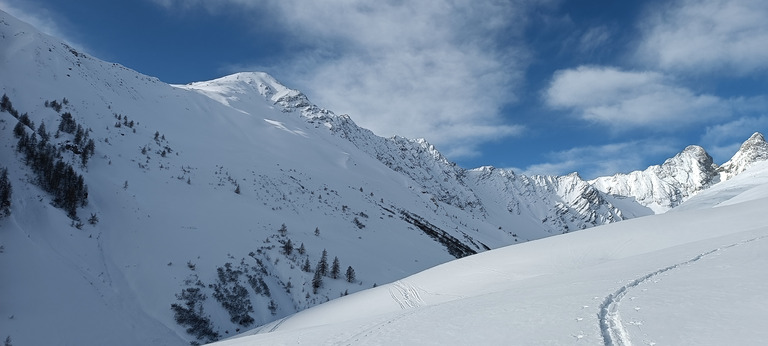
(753, 150)
(664, 186)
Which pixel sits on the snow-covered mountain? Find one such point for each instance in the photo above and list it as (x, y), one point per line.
(223, 197)
(666, 186)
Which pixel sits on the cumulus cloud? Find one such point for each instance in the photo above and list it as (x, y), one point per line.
(431, 69)
(605, 159)
(626, 100)
(727, 37)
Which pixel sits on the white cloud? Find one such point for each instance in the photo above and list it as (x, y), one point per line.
(740, 129)
(728, 37)
(594, 39)
(626, 100)
(40, 18)
(427, 69)
(603, 160)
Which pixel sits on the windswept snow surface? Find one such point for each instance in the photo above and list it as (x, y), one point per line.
(692, 277)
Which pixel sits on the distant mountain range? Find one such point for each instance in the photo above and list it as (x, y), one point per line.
(201, 210)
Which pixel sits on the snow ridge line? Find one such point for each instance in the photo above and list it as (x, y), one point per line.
(611, 327)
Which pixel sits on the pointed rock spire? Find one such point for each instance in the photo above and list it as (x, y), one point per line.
(753, 150)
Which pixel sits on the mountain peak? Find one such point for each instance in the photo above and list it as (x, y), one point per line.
(245, 83)
(752, 150)
(662, 187)
(693, 153)
(692, 158)
(756, 139)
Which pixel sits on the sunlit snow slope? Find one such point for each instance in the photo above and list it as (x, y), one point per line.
(692, 277)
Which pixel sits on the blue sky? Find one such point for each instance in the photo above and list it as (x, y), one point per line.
(548, 86)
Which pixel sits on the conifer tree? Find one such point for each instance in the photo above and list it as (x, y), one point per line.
(67, 123)
(41, 131)
(335, 270)
(18, 130)
(288, 247)
(79, 134)
(5, 103)
(322, 265)
(350, 274)
(317, 281)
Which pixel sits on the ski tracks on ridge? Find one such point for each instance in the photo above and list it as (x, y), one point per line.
(611, 326)
(406, 295)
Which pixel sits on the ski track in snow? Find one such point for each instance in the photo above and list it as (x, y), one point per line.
(279, 324)
(611, 326)
(373, 329)
(405, 295)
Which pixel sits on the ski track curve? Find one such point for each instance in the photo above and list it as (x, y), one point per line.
(611, 327)
(405, 295)
(279, 324)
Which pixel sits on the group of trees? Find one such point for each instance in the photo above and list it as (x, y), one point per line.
(190, 314)
(125, 121)
(232, 295)
(52, 173)
(54, 176)
(321, 270)
(56, 105)
(81, 145)
(7, 106)
(5, 193)
(230, 289)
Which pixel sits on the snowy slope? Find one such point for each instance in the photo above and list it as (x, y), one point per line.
(162, 214)
(164, 180)
(689, 277)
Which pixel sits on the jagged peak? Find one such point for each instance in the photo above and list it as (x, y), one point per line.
(483, 169)
(756, 140)
(484, 172)
(752, 150)
(757, 136)
(694, 152)
(692, 163)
